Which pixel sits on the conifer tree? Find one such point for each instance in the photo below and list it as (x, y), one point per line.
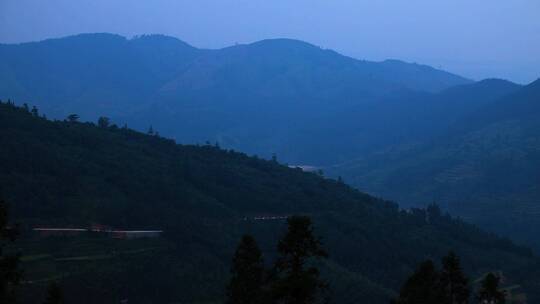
(489, 292)
(454, 283)
(35, 111)
(246, 284)
(422, 287)
(297, 281)
(104, 122)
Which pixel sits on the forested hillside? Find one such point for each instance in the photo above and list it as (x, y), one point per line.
(484, 167)
(68, 173)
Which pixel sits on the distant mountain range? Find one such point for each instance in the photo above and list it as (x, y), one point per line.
(405, 131)
(273, 86)
(274, 96)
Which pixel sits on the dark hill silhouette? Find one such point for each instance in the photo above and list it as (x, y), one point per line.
(74, 174)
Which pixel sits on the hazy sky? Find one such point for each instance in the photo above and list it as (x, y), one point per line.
(474, 38)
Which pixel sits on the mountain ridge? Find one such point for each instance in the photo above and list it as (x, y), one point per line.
(83, 46)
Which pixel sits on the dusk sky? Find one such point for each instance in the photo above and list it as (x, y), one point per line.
(476, 39)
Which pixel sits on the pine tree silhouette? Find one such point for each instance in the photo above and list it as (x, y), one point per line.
(454, 283)
(246, 284)
(422, 287)
(489, 292)
(296, 280)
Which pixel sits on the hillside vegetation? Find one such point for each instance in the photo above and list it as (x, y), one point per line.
(483, 167)
(60, 173)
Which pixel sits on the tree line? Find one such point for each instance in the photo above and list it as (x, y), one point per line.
(294, 278)
(450, 285)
